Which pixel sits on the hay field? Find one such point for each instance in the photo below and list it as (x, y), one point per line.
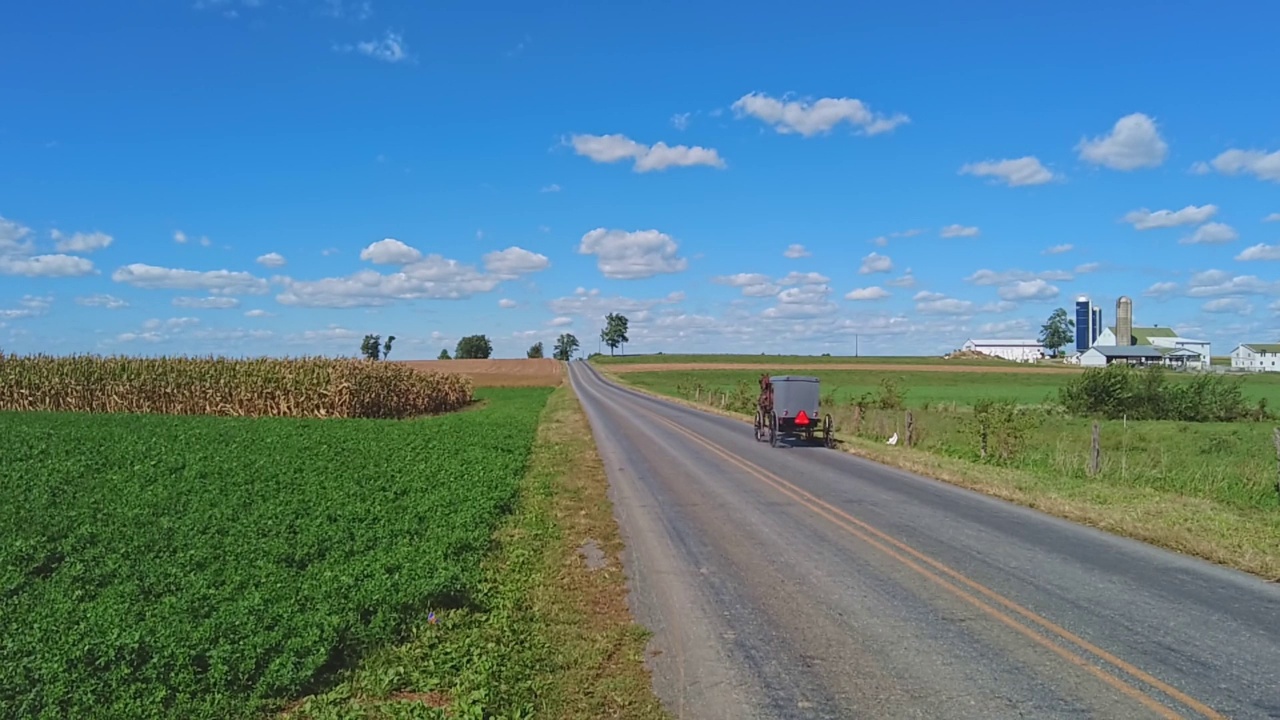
(539, 372)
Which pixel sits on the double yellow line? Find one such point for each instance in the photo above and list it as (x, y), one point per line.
(985, 599)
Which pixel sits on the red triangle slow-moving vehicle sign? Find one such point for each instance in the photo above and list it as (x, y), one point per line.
(802, 418)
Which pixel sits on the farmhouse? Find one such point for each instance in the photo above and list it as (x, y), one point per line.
(1256, 357)
(1161, 338)
(1015, 350)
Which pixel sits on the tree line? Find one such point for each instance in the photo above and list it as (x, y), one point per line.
(479, 347)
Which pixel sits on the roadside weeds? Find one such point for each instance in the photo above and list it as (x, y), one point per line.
(552, 638)
(1247, 540)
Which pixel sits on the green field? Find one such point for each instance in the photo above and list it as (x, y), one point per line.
(199, 567)
(779, 360)
(921, 389)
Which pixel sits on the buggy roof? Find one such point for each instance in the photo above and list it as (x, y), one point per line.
(793, 378)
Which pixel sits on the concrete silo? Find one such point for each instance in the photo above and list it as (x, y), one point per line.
(1124, 321)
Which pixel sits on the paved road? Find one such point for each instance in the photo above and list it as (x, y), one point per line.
(802, 582)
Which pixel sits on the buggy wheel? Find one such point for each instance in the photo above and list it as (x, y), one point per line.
(827, 438)
(773, 429)
(759, 428)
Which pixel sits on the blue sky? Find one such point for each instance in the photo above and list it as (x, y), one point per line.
(284, 176)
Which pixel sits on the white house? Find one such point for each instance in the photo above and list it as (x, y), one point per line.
(1256, 357)
(1162, 337)
(1015, 350)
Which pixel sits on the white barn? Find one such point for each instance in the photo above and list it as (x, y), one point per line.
(1162, 337)
(1256, 357)
(1015, 350)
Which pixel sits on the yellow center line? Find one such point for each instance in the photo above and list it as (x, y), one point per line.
(887, 544)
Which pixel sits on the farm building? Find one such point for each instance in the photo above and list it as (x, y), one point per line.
(1256, 357)
(1161, 338)
(1141, 355)
(1015, 350)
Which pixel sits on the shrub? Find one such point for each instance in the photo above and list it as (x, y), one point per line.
(1120, 391)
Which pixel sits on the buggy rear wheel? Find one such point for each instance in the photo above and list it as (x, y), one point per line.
(773, 429)
(759, 427)
(827, 438)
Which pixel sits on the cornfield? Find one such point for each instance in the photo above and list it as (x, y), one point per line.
(306, 387)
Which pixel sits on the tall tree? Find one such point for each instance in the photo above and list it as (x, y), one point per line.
(614, 333)
(1057, 331)
(535, 351)
(566, 346)
(370, 348)
(386, 347)
(444, 354)
(473, 347)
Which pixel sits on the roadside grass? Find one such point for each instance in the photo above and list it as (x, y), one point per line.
(921, 390)
(1204, 489)
(549, 637)
(781, 360)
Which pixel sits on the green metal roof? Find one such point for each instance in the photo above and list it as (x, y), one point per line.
(1263, 347)
(1143, 335)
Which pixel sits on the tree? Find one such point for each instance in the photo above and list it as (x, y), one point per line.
(535, 351)
(386, 347)
(1057, 331)
(566, 346)
(614, 333)
(473, 347)
(444, 354)
(369, 348)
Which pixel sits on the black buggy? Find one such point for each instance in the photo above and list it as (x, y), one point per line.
(788, 405)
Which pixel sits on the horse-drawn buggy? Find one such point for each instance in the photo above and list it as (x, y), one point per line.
(788, 405)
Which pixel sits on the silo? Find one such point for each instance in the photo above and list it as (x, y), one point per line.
(1124, 321)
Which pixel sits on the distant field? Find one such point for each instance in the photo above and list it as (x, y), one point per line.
(206, 567)
(802, 360)
(540, 372)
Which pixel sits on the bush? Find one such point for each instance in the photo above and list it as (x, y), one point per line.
(999, 427)
(1120, 391)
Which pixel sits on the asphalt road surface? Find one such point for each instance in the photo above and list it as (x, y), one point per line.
(802, 582)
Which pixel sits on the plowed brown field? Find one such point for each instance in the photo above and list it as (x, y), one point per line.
(879, 367)
(542, 372)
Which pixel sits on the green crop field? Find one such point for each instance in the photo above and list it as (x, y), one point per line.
(921, 389)
(202, 567)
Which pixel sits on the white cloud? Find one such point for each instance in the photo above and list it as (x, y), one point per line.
(514, 261)
(110, 302)
(806, 278)
(806, 301)
(1144, 219)
(1059, 249)
(1238, 306)
(867, 293)
(1086, 268)
(680, 121)
(257, 313)
(1029, 290)
(623, 255)
(1161, 290)
(927, 295)
(1259, 163)
(951, 231)
(660, 156)
(217, 282)
(80, 242)
(433, 277)
(907, 280)
(390, 252)
(271, 260)
(1273, 217)
(28, 306)
(590, 304)
(391, 48)
(507, 304)
(207, 303)
(752, 284)
(170, 323)
(552, 188)
(1260, 251)
(1007, 277)
(561, 321)
(944, 306)
(46, 266)
(1000, 306)
(1220, 282)
(875, 263)
(182, 238)
(1005, 328)
(330, 336)
(796, 251)
(1213, 233)
(1014, 173)
(13, 238)
(817, 117)
(1134, 142)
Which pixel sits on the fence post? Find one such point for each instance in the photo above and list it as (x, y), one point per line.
(857, 420)
(982, 437)
(911, 429)
(1095, 452)
(1276, 437)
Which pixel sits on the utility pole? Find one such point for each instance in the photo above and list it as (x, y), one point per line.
(855, 345)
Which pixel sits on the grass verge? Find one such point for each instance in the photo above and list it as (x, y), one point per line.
(1245, 538)
(551, 638)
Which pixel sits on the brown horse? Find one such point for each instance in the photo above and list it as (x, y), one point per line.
(765, 401)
